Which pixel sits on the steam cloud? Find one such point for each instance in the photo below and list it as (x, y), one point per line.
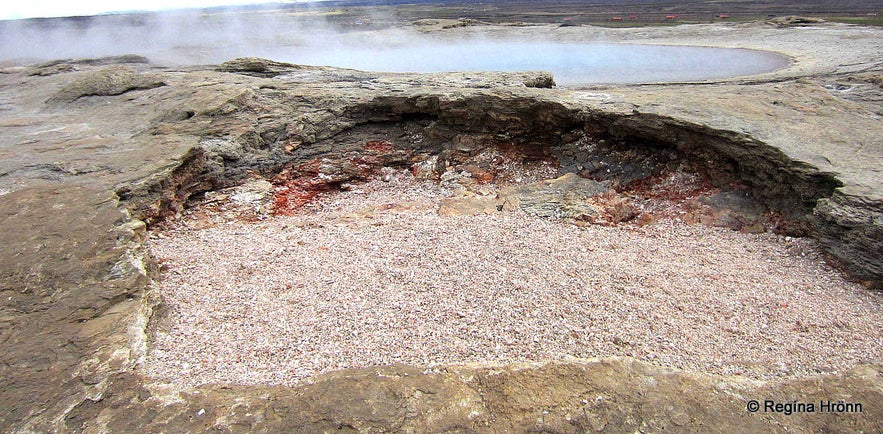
(194, 37)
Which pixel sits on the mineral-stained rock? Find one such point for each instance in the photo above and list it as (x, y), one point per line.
(470, 204)
(426, 168)
(479, 174)
(568, 196)
(564, 197)
(731, 209)
(252, 193)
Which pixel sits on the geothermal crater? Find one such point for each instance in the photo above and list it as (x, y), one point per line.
(427, 234)
(308, 219)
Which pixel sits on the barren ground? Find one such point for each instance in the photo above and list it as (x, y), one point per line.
(375, 276)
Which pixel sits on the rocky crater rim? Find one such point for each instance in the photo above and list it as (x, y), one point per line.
(428, 133)
(439, 135)
(497, 153)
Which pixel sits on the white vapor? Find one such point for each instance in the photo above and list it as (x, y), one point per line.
(12, 10)
(304, 35)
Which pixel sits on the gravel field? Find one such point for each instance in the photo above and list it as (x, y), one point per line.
(375, 276)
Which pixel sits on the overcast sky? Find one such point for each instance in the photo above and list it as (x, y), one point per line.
(15, 9)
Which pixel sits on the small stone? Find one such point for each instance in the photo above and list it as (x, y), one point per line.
(477, 173)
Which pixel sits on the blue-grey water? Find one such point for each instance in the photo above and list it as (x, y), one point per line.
(572, 64)
(193, 39)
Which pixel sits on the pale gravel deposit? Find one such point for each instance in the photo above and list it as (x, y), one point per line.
(375, 276)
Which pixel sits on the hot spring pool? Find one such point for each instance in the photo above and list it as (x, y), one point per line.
(185, 40)
(572, 64)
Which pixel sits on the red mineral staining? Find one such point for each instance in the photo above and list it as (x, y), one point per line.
(297, 193)
(379, 146)
(479, 174)
(296, 186)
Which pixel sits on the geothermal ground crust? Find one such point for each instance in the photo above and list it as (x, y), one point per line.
(375, 276)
